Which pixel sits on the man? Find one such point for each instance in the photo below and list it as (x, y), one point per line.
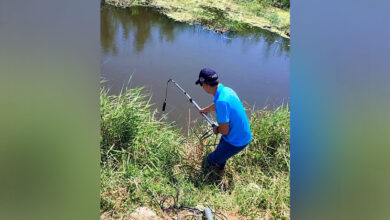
(231, 117)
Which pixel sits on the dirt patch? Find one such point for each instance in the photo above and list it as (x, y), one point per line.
(144, 213)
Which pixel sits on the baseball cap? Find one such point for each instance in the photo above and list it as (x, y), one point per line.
(207, 76)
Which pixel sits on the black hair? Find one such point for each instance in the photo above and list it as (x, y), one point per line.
(213, 83)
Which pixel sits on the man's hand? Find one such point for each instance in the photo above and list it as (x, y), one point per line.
(208, 109)
(215, 130)
(204, 110)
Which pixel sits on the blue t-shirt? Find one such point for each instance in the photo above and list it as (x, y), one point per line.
(229, 109)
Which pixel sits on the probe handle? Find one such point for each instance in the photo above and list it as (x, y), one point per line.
(163, 108)
(192, 101)
(209, 120)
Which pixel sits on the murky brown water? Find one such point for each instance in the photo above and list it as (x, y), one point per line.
(150, 47)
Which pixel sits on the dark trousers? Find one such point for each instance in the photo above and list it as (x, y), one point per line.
(222, 153)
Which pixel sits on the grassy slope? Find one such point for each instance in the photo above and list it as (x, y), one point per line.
(223, 15)
(142, 156)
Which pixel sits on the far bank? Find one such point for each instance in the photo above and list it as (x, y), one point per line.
(221, 16)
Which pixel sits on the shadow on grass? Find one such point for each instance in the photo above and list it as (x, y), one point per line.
(206, 176)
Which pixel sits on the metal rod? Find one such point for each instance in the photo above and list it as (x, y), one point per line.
(208, 214)
(193, 102)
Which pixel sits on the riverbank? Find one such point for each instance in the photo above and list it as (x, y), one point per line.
(142, 156)
(221, 16)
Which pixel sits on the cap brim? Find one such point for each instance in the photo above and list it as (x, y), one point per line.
(197, 82)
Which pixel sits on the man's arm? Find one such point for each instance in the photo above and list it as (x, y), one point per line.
(208, 109)
(223, 128)
(223, 117)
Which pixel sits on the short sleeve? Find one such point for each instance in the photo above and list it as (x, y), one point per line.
(222, 110)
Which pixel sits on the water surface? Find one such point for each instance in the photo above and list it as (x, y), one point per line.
(144, 44)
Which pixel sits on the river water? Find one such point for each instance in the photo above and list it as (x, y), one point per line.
(150, 48)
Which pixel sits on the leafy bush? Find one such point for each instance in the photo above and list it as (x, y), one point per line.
(273, 18)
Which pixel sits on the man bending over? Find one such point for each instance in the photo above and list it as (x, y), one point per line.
(231, 117)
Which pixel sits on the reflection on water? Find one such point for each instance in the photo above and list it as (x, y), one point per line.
(134, 18)
(151, 48)
(143, 19)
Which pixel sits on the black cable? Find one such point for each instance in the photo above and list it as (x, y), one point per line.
(205, 135)
(176, 208)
